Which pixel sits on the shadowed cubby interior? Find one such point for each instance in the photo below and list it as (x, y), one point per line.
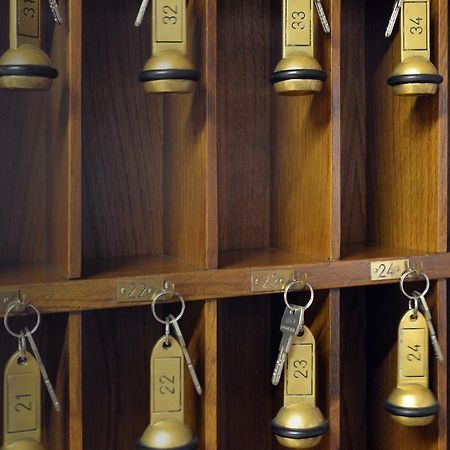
(248, 340)
(369, 329)
(35, 194)
(393, 187)
(144, 156)
(274, 152)
(117, 373)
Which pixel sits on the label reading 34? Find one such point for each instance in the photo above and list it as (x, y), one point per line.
(28, 16)
(298, 23)
(415, 25)
(169, 20)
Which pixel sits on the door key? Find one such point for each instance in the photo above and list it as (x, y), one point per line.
(291, 324)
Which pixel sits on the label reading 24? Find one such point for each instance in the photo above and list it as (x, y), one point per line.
(388, 270)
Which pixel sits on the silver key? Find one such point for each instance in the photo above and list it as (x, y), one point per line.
(187, 357)
(141, 13)
(322, 16)
(291, 324)
(433, 337)
(44, 373)
(55, 11)
(393, 19)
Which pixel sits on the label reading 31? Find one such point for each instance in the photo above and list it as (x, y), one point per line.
(28, 16)
(415, 25)
(298, 23)
(169, 20)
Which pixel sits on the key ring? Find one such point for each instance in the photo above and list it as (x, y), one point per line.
(11, 308)
(407, 274)
(297, 307)
(415, 308)
(175, 295)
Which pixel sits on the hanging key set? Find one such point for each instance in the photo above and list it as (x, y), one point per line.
(299, 423)
(167, 429)
(22, 388)
(412, 403)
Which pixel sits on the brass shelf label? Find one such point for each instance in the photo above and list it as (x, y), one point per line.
(138, 289)
(388, 270)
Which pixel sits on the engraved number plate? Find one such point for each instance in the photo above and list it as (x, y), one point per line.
(388, 270)
(169, 20)
(297, 25)
(415, 25)
(271, 281)
(138, 289)
(28, 16)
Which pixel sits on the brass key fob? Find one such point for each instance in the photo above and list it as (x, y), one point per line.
(25, 65)
(22, 404)
(416, 74)
(169, 70)
(300, 423)
(167, 429)
(412, 403)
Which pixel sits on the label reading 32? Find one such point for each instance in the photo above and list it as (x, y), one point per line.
(415, 25)
(22, 414)
(28, 16)
(169, 20)
(298, 23)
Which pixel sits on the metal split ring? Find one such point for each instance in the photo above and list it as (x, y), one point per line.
(11, 308)
(415, 308)
(407, 274)
(297, 307)
(175, 295)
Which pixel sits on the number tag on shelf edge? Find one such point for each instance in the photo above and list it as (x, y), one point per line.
(271, 280)
(138, 289)
(388, 270)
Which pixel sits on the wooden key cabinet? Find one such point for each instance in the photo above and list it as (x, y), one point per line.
(108, 194)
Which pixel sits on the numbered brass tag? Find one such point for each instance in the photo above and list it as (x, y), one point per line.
(415, 75)
(169, 70)
(167, 429)
(298, 73)
(22, 402)
(299, 419)
(24, 65)
(412, 403)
